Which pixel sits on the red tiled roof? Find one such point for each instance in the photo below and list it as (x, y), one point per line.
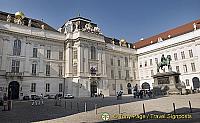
(173, 33)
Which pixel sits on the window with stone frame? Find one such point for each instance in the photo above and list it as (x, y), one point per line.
(118, 61)
(187, 82)
(185, 68)
(60, 87)
(151, 62)
(74, 69)
(190, 53)
(140, 64)
(48, 54)
(113, 86)
(177, 69)
(145, 63)
(112, 74)
(111, 61)
(121, 87)
(48, 69)
(152, 73)
(133, 64)
(47, 87)
(127, 74)
(156, 60)
(60, 70)
(126, 61)
(60, 55)
(35, 50)
(15, 66)
(193, 67)
(175, 57)
(134, 75)
(33, 87)
(182, 55)
(34, 69)
(75, 55)
(93, 52)
(119, 74)
(17, 48)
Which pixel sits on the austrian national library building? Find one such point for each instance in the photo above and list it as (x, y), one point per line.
(79, 59)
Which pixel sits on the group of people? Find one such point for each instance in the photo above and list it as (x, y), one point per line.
(141, 93)
(38, 100)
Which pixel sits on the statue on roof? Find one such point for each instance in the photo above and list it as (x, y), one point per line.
(29, 23)
(8, 18)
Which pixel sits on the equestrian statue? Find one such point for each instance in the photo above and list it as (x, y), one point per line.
(164, 62)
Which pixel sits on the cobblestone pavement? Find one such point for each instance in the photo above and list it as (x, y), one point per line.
(73, 110)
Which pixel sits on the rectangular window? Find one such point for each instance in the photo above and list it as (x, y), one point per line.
(48, 69)
(113, 86)
(185, 68)
(60, 55)
(47, 87)
(34, 52)
(190, 53)
(152, 73)
(60, 87)
(126, 62)
(156, 60)
(121, 87)
(133, 64)
(134, 74)
(127, 74)
(187, 82)
(193, 67)
(151, 62)
(118, 61)
(60, 70)
(183, 55)
(119, 74)
(34, 68)
(93, 52)
(175, 57)
(74, 53)
(15, 66)
(48, 54)
(112, 74)
(177, 69)
(33, 87)
(17, 48)
(145, 63)
(75, 69)
(111, 61)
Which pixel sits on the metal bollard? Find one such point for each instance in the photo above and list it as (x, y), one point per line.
(190, 107)
(174, 108)
(144, 109)
(96, 108)
(85, 107)
(65, 104)
(77, 107)
(119, 108)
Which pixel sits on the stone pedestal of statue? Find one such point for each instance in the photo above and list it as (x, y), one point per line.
(167, 83)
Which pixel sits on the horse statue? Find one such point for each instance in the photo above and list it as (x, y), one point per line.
(164, 62)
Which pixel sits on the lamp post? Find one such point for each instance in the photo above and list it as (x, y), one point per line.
(64, 69)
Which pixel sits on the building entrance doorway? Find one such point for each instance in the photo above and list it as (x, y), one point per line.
(145, 85)
(196, 83)
(13, 90)
(129, 88)
(93, 88)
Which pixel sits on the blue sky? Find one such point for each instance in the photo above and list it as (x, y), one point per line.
(129, 19)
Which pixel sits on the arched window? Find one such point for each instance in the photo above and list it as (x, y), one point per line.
(93, 52)
(17, 48)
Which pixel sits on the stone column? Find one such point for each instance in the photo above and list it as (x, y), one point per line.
(68, 59)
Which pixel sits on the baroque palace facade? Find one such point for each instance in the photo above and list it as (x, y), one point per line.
(78, 59)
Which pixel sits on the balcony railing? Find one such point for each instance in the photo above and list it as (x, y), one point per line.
(12, 74)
